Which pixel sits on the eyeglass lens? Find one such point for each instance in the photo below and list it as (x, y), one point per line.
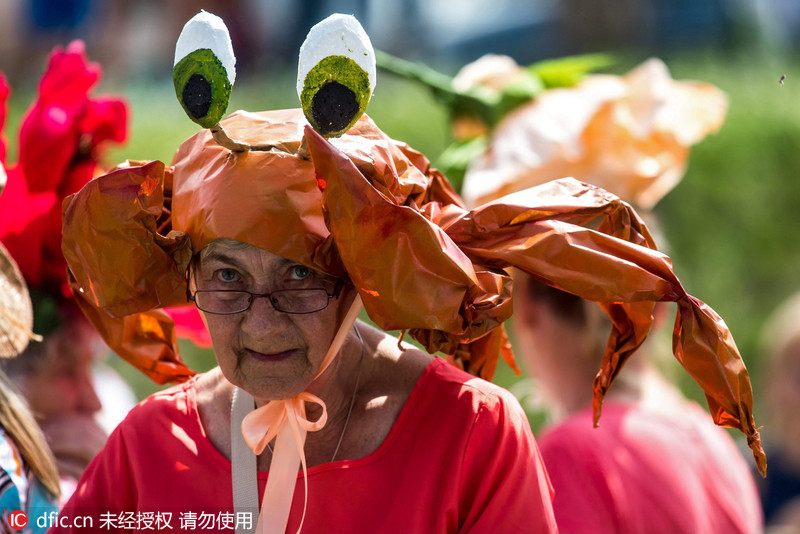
(287, 300)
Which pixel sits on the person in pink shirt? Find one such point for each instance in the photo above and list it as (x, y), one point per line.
(656, 463)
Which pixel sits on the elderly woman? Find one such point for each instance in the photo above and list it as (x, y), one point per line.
(277, 235)
(455, 450)
(411, 444)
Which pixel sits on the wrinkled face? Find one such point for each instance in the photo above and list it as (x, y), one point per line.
(269, 353)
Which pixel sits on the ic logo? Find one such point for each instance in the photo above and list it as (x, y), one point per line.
(18, 520)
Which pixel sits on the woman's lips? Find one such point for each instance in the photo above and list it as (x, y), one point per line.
(272, 357)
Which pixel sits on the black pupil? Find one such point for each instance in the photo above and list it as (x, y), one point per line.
(197, 96)
(333, 107)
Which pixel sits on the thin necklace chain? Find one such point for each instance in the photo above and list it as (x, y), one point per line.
(352, 398)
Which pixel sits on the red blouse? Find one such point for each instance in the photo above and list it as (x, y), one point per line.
(459, 458)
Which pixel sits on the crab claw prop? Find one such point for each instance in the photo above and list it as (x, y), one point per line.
(417, 267)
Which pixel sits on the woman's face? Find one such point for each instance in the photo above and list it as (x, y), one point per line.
(270, 354)
(62, 384)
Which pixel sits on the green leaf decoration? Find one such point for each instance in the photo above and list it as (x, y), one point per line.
(457, 156)
(477, 101)
(488, 105)
(568, 71)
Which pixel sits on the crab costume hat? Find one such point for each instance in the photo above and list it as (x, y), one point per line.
(344, 198)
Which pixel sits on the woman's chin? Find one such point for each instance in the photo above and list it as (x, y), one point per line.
(272, 376)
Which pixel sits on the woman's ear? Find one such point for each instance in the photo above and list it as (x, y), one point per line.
(347, 295)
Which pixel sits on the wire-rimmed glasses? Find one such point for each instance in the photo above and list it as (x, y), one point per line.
(297, 301)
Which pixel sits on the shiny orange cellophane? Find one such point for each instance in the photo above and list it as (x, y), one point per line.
(372, 210)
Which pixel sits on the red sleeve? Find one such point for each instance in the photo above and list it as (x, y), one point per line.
(505, 485)
(106, 487)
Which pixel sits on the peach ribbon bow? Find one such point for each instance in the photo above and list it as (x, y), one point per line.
(285, 420)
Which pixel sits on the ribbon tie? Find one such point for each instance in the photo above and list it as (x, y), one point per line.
(286, 420)
(262, 424)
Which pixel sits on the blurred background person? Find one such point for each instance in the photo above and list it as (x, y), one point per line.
(56, 378)
(657, 462)
(62, 137)
(780, 491)
(28, 477)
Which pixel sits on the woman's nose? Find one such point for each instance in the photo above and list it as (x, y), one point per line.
(262, 316)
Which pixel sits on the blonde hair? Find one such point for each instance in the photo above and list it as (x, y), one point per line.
(20, 426)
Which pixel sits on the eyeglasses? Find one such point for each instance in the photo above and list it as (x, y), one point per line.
(298, 301)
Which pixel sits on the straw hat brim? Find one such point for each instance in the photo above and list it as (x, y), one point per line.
(16, 312)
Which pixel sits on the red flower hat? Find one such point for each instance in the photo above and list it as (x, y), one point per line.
(62, 137)
(61, 142)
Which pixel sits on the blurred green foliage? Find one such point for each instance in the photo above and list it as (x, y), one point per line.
(731, 224)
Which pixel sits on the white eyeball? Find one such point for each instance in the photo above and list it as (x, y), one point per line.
(336, 74)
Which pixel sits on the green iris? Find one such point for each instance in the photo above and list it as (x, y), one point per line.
(335, 94)
(202, 87)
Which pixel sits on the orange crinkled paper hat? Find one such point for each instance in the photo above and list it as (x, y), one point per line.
(372, 210)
